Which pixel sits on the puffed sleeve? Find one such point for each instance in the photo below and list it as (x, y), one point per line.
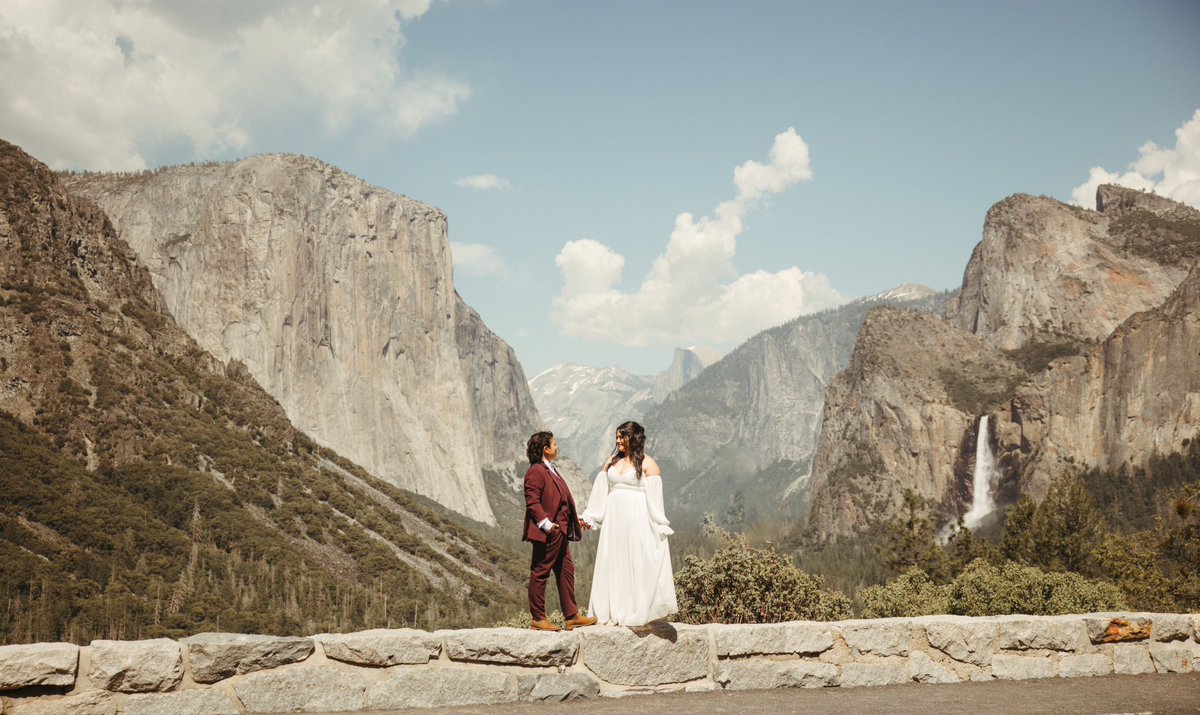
(654, 501)
(594, 514)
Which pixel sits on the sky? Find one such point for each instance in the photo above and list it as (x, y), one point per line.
(625, 177)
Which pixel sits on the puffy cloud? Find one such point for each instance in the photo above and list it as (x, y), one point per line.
(1174, 173)
(482, 182)
(789, 164)
(476, 259)
(102, 84)
(692, 292)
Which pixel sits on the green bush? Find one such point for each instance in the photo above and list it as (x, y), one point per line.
(740, 584)
(984, 589)
(909, 595)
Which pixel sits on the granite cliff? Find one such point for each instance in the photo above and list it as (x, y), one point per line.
(903, 415)
(1135, 394)
(748, 424)
(153, 489)
(1045, 269)
(1074, 331)
(338, 298)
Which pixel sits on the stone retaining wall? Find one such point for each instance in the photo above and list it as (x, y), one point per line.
(230, 674)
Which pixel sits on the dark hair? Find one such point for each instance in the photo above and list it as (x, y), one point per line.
(537, 446)
(636, 435)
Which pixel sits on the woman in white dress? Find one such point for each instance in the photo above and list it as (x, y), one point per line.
(632, 583)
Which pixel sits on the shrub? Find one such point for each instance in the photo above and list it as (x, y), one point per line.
(984, 589)
(909, 595)
(740, 584)
(1037, 354)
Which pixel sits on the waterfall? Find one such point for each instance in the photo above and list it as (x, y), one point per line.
(981, 483)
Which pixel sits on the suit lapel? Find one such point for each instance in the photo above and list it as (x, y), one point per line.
(554, 479)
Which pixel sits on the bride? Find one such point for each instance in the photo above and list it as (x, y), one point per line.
(632, 583)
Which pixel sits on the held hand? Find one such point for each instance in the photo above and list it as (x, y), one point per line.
(585, 526)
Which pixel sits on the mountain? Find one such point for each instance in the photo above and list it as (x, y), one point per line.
(338, 298)
(151, 488)
(1045, 270)
(903, 416)
(584, 405)
(1073, 332)
(740, 437)
(1134, 395)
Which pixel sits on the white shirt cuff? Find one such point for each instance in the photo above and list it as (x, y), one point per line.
(545, 525)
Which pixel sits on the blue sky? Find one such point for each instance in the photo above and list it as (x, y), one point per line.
(598, 141)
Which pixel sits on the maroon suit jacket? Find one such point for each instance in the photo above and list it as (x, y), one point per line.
(544, 496)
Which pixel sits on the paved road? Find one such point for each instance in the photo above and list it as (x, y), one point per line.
(1141, 694)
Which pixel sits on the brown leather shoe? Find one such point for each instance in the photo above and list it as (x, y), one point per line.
(580, 621)
(543, 625)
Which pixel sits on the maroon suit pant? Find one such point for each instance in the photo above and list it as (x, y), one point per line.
(554, 555)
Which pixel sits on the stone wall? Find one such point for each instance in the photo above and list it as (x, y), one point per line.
(229, 674)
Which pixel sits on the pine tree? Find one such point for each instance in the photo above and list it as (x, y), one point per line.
(1067, 527)
(910, 540)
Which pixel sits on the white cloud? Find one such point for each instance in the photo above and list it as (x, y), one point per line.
(476, 259)
(482, 182)
(101, 84)
(1174, 173)
(692, 292)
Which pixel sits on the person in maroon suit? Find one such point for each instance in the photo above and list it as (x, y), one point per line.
(550, 524)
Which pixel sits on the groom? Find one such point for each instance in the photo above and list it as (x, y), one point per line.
(550, 523)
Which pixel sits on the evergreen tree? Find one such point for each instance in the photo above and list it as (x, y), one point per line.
(1067, 527)
(1017, 543)
(965, 547)
(910, 540)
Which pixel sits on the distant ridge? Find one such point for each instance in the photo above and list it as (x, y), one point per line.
(739, 439)
(584, 405)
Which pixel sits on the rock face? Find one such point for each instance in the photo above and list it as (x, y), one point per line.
(1074, 330)
(504, 411)
(686, 366)
(1047, 269)
(584, 405)
(1134, 394)
(120, 435)
(749, 423)
(902, 416)
(338, 298)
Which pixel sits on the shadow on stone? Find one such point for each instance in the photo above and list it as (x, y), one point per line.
(658, 629)
(36, 691)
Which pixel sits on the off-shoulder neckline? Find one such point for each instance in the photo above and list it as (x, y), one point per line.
(634, 470)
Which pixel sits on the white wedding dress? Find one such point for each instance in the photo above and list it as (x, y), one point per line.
(632, 583)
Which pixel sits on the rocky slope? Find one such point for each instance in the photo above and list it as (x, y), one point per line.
(903, 415)
(1098, 366)
(583, 405)
(1135, 394)
(1045, 269)
(504, 412)
(338, 298)
(749, 423)
(151, 488)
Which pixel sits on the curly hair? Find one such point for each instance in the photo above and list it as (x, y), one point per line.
(636, 435)
(538, 442)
